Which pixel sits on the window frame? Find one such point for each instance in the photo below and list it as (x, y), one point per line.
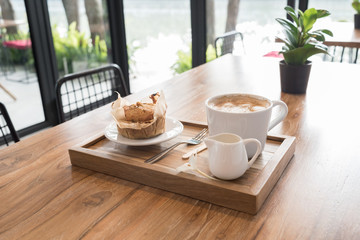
(45, 58)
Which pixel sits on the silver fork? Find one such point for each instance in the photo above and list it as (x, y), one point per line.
(192, 141)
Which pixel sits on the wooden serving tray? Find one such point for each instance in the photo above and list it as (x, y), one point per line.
(246, 193)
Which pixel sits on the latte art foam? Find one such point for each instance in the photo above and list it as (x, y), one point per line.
(239, 104)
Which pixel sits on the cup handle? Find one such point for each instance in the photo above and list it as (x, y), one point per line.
(282, 115)
(258, 150)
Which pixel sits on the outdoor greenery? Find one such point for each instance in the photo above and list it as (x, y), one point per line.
(73, 46)
(356, 5)
(131, 49)
(76, 46)
(300, 42)
(13, 55)
(184, 61)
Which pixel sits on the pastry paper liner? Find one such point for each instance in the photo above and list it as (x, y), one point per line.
(138, 130)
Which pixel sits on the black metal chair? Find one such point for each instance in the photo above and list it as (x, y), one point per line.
(7, 130)
(82, 92)
(342, 54)
(224, 44)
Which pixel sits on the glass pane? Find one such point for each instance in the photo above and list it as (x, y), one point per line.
(341, 23)
(158, 35)
(19, 88)
(254, 19)
(340, 10)
(80, 33)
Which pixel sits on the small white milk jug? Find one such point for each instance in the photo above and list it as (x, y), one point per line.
(227, 155)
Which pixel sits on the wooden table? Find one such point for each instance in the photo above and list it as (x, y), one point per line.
(5, 23)
(345, 35)
(318, 196)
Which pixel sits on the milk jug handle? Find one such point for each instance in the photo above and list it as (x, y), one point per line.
(258, 150)
(282, 114)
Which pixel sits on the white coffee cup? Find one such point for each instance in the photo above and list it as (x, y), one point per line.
(246, 124)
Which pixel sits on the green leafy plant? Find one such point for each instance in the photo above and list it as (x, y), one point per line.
(184, 61)
(73, 46)
(356, 5)
(210, 53)
(97, 51)
(69, 47)
(77, 46)
(12, 55)
(131, 49)
(300, 42)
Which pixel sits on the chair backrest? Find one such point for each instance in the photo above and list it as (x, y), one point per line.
(224, 44)
(342, 54)
(82, 92)
(7, 131)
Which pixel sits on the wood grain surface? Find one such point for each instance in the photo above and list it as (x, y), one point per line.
(345, 35)
(246, 194)
(43, 196)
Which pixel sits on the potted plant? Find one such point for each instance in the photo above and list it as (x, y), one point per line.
(300, 44)
(356, 6)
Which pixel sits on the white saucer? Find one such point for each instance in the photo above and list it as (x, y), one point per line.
(172, 129)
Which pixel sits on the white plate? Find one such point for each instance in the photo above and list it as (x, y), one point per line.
(172, 129)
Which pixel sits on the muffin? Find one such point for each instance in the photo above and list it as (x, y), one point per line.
(143, 119)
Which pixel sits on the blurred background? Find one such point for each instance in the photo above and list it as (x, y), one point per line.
(158, 37)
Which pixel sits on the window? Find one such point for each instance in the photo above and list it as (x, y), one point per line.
(80, 32)
(254, 19)
(20, 90)
(158, 35)
(340, 10)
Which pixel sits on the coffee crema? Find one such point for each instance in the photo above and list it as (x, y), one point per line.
(239, 104)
